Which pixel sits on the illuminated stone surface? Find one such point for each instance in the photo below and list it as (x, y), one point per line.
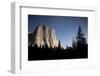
(43, 35)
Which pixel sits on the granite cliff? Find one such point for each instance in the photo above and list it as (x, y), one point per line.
(43, 35)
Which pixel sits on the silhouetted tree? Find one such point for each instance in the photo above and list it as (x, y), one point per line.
(59, 45)
(73, 44)
(43, 46)
(35, 46)
(80, 37)
(82, 49)
(66, 47)
(46, 45)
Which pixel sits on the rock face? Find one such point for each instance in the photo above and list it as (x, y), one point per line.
(43, 35)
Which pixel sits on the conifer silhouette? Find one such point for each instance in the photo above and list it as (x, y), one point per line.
(80, 36)
(59, 45)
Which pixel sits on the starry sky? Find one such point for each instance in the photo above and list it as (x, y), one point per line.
(66, 27)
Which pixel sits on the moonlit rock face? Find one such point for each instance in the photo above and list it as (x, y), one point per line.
(43, 35)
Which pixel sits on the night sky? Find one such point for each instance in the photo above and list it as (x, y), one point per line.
(66, 27)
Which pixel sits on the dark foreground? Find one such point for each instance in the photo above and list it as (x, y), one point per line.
(35, 53)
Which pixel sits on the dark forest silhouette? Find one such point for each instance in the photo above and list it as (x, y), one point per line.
(79, 49)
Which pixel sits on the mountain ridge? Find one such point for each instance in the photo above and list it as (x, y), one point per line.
(43, 35)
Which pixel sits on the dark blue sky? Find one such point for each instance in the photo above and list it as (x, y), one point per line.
(65, 26)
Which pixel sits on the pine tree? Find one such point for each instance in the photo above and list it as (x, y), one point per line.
(73, 44)
(82, 46)
(43, 46)
(46, 45)
(35, 46)
(80, 37)
(59, 45)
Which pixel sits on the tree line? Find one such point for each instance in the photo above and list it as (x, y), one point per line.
(79, 49)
